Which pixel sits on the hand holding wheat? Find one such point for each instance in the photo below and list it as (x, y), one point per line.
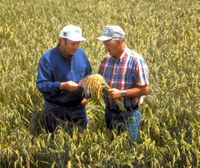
(96, 83)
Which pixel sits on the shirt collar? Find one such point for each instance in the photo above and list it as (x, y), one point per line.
(122, 55)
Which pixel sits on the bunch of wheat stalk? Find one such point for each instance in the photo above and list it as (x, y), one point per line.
(95, 84)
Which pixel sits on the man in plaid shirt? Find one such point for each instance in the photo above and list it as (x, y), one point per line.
(126, 72)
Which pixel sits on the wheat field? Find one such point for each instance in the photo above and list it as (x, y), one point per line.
(165, 32)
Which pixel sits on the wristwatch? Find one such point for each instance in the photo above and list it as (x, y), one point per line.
(123, 93)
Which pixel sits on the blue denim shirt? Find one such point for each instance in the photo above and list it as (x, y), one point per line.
(55, 68)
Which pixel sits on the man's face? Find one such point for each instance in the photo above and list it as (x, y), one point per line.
(69, 47)
(112, 47)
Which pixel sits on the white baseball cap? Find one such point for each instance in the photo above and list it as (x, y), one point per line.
(72, 32)
(112, 31)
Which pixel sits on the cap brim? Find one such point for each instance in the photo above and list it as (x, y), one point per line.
(104, 38)
(77, 39)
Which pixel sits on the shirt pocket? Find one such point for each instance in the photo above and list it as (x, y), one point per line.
(82, 71)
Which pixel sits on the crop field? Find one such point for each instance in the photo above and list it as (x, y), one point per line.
(165, 32)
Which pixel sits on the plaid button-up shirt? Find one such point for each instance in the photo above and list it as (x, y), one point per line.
(126, 72)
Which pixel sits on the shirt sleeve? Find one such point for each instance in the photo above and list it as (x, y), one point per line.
(102, 66)
(88, 72)
(88, 68)
(141, 73)
(45, 82)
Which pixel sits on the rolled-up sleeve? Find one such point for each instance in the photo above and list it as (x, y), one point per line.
(141, 75)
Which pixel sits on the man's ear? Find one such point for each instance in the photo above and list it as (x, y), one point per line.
(60, 40)
(119, 42)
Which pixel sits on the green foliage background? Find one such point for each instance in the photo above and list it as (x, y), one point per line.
(165, 32)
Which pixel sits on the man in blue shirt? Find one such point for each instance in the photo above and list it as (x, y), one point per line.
(59, 72)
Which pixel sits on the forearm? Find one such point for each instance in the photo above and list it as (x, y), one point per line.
(69, 85)
(63, 85)
(137, 91)
(48, 88)
(133, 92)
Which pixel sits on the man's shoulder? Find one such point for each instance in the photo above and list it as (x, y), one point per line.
(106, 58)
(80, 50)
(134, 55)
(47, 53)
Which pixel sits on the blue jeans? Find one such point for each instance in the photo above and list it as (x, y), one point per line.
(74, 114)
(124, 121)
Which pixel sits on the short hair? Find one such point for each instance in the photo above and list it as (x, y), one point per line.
(117, 39)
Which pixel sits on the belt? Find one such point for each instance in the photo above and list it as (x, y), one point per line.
(127, 108)
(67, 104)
